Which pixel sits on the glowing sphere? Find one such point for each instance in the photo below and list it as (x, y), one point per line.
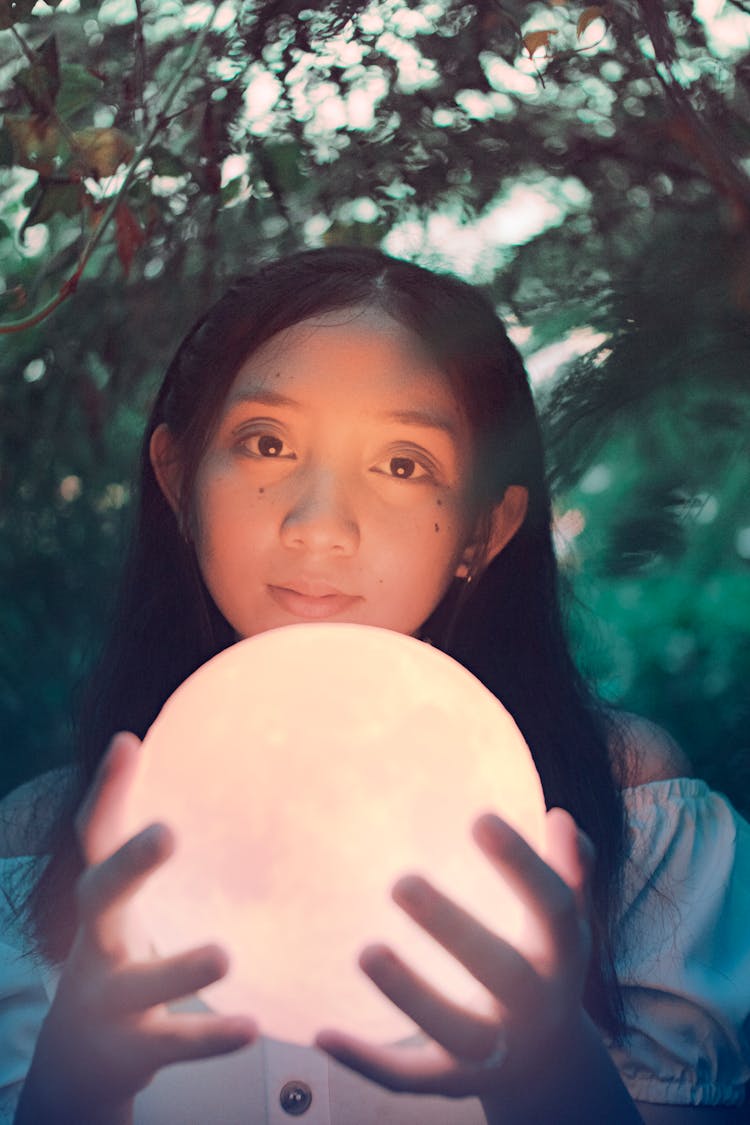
(303, 771)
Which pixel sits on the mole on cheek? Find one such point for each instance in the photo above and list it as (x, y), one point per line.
(439, 503)
(437, 527)
(261, 491)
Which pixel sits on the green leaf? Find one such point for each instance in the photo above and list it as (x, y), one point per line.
(78, 88)
(53, 199)
(49, 59)
(165, 163)
(14, 11)
(285, 160)
(29, 196)
(231, 191)
(6, 149)
(40, 82)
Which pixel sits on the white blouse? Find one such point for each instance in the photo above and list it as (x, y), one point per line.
(683, 961)
(684, 950)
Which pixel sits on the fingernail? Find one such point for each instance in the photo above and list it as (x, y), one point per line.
(215, 960)
(155, 837)
(411, 890)
(374, 956)
(152, 833)
(243, 1035)
(490, 828)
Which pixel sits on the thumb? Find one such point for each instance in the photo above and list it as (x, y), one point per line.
(570, 853)
(99, 819)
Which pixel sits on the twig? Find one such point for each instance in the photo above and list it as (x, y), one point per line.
(139, 67)
(68, 287)
(717, 159)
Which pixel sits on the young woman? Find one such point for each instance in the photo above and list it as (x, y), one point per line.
(348, 437)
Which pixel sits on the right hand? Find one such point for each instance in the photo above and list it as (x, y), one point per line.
(107, 1032)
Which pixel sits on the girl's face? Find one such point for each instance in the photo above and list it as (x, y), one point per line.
(335, 487)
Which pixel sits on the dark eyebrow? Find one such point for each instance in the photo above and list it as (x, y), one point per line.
(262, 395)
(265, 396)
(425, 418)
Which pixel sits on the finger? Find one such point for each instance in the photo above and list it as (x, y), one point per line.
(571, 854)
(99, 817)
(460, 1032)
(104, 889)
(184, 1036)
(495, 963)
(548, 897)
(422, 1070)
(160, 982)
(426, 1069)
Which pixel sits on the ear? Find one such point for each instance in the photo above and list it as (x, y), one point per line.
(166, 465)
(507, 517)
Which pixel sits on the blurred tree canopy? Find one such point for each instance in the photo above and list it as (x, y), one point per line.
(589, 164)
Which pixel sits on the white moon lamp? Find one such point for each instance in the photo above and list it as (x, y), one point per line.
(303, 771)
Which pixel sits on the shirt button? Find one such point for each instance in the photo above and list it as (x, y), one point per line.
(295, 1098)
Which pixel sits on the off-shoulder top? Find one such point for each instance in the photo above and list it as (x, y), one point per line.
(683, 960)
(684, 946)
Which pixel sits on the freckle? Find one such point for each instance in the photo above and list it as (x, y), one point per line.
(261, 490)
(437, 527)
(440, 503)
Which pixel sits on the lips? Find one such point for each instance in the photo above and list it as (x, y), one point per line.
(312, 600)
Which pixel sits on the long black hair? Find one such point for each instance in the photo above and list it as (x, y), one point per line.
(506, 626)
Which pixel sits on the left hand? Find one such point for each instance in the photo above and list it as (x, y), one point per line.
(537, 996)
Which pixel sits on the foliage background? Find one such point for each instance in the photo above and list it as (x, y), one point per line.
(589, 165)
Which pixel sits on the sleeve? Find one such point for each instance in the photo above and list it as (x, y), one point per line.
(683, 951)
(24, 998)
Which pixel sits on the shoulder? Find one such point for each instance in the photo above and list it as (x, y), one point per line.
(643, 751)
(653, 1114)
(28, 813)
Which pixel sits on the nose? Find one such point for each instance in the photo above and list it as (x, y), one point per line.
(321, 518)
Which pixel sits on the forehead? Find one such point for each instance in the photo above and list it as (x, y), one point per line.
(359, 353)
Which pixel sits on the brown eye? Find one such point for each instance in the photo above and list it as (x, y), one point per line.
(402, 466)
(269, 445)
(266, 446)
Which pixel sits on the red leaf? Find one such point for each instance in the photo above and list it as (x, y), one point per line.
(587, 16)
(130, 236)
(536, 40)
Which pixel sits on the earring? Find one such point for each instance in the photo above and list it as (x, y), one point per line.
(183, 528)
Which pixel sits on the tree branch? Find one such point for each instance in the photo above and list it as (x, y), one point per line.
(139, 65)
(69, 286)
(712, 152)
